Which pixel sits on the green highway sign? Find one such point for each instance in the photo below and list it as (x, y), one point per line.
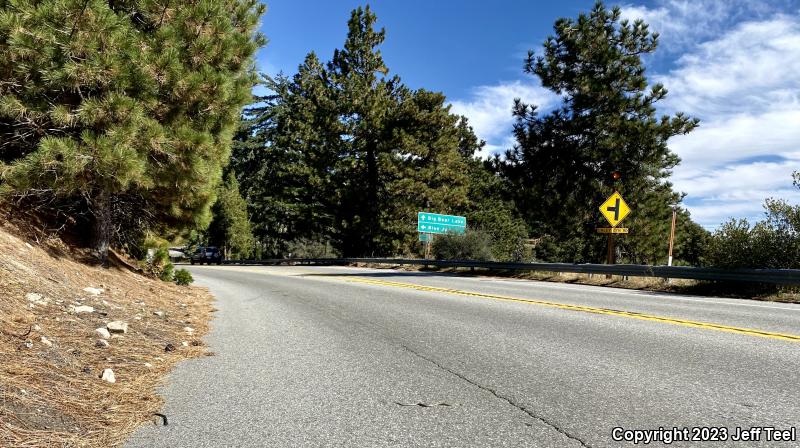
(438, 228)
(436, 223)
(425, 237)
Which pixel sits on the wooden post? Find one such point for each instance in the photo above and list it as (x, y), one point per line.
(610, 256)
(672, 238)
(672, 235)
(428, 245)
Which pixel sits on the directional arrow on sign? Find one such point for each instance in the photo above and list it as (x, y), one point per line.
(615, 209)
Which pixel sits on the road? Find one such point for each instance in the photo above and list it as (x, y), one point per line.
(334, 356)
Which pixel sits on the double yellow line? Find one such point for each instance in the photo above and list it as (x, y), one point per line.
(581, 308)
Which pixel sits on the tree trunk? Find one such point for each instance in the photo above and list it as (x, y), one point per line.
(103, 226)
(372, 197)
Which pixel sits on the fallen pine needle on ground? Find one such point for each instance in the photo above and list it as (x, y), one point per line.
(55, 309)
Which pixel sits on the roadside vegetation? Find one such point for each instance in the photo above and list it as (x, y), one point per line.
(344, 155)
(116, 124)
(771, 243)
(118, 116)
(128, 124)
(84, 348)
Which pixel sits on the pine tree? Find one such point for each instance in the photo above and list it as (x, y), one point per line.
(284, 154)
(364, 98)
(230, 228)
(422, 168)
(123, 111)
(342, 153)
(560, 169)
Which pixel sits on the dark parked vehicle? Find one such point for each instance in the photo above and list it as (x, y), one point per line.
(207, 255)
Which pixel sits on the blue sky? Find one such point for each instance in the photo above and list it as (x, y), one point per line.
(733, 64)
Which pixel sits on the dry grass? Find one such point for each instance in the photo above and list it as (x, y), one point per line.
(52, 395)
(681, 286)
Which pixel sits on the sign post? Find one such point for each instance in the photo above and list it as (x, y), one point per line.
(614, 209)
(672, 234)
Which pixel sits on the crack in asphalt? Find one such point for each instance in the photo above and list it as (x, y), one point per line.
(501, 397)
(375, 330)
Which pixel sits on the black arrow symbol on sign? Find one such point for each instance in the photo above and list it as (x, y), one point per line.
(615, 209)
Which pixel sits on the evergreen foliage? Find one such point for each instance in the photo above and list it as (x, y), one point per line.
(183, 277)
(341, 152)
(470, 245)
(560, 169)
(490, 211)
(230, 228)
(123, 112)
(771, 243)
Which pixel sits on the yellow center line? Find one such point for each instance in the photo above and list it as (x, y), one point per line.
(581, 308)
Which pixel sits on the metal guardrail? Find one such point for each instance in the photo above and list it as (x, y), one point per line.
(773, 276)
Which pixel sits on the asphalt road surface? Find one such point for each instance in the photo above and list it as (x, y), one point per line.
(332, 356)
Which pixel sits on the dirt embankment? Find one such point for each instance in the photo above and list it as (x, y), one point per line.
(58, 337)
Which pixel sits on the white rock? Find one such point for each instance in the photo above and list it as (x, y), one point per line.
(108, 375)
(188, 330)
(159, 313)
(46, 342)
(101, 343)
(103, 333)
(36, 298)
(28, 344)
(93, 291)
(185, 344)
(82, 309)
(117, 327)
(148, 365)
(37, 328)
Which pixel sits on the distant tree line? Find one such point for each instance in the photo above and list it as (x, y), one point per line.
(344, 154)
(771, 243)
(125, 119)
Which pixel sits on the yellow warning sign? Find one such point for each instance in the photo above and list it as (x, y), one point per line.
(615, 209)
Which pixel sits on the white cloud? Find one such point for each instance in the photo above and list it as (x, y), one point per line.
(724, 139)
(684, 23)
(759, 177)
(752, 68)
(744, 87)
(489, 110)
(710, 214)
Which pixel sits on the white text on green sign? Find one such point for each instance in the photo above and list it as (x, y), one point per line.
(436, 223)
